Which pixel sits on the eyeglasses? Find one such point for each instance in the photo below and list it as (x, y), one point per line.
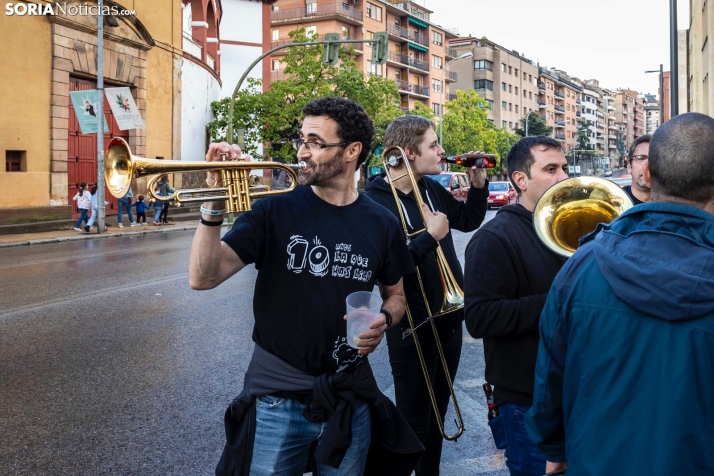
(297, 143)
(639, 158)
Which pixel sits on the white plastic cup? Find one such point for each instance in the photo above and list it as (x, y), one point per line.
(362, 310)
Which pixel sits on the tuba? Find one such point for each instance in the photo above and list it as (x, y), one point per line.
(571, 209)
(453, 295)
(239, 187)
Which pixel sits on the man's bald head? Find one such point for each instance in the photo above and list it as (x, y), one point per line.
(681, 158)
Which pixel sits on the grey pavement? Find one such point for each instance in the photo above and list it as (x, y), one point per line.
(111, 364)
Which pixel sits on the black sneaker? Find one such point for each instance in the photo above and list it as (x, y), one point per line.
(86, 228)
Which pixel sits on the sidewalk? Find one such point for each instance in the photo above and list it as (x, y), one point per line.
(24, 239)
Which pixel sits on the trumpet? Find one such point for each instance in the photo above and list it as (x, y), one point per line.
(453, 295)
(571, 209)
(239, 188)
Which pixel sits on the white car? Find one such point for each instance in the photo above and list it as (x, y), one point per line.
(608, 172)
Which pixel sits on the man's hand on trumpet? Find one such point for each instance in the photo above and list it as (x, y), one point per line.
(219, 152)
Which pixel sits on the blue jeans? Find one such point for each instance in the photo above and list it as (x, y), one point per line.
(283, 440)
(82, 217)
(124, 203)
(523, 458)
(157, 214)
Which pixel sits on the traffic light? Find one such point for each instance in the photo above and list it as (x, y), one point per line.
(331, 49)
(379, 49)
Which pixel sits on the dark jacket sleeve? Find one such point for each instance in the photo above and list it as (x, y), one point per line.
(490, 284)
(544, 420)
(422, 246)
(465, 216)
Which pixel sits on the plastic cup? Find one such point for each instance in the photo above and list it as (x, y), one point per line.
(362, 309)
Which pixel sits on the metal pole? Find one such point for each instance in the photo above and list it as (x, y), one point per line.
(100, 120)
(441, 105)
(527, 117)
(661, 95)
(673, 66)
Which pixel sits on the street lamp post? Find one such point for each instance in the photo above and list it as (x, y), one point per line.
(441, 93)
(661, 92)
(540, 106)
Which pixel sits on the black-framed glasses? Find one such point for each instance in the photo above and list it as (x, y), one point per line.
(639, 158)
(297, 143)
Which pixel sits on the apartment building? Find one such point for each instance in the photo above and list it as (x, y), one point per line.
(507, 80)
(651, 113)
(418, 49)
(560, 95)
(699, 59)
(613, 155)
(630, 113)
(594, 114)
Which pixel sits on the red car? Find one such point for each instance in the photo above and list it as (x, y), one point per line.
(455, 182)
(500, 194)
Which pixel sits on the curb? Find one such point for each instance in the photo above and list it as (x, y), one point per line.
(96, 236)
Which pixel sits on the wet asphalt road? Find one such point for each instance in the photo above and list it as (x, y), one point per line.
(110, 364)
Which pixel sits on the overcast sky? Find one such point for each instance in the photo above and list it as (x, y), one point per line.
(614, 41)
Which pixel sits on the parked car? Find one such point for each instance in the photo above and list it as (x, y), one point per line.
(455, 182)
(608, 172)
(500, 194)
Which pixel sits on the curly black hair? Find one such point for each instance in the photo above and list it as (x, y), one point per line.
(353, 123)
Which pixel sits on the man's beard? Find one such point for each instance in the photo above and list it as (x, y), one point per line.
(641, 184)
(322, 172)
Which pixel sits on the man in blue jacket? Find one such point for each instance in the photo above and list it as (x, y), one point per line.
(626, 359)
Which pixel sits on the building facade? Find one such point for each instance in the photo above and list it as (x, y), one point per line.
(630, 113)
(699, 59)
(560, 95)
(651, 113)
(418, 50)
(593, 118)
(506, 79)
(43, 58)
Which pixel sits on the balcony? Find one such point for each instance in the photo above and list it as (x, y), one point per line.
(577, 114)
(286, 41)
(577, 101)
(324, 11)
(542, 103)
(411, 8)
(451, 76)
(612, 146)
(451, 53)
(559, 109)
(541, 87)
(397, 31)
(452, 97)
(560, 137)
(559, 125)
(419, 39)
(192, 46)
(411, 88)
(558, 94)
(401, 59)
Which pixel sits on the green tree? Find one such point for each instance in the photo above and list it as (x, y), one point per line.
(420, 109)
(536, 126)
(583, 139)
(271, 118)
(504, 142)
(465, 126)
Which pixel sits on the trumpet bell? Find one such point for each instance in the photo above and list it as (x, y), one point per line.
(118, 167)
(571, 209)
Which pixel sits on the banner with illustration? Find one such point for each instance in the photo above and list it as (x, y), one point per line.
(85, 106)
(124, 108)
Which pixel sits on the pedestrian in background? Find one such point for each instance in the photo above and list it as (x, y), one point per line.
(141, 207)
(624, 372)
(125, 202)
(95, 208)
(84, 201)
(166, 190)
(639, 191)
(158, 208)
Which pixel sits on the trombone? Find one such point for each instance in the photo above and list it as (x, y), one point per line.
(238, 190)
(453, 295)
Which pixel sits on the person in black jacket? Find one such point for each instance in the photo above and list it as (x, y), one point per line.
(416, 136)
(508, 275)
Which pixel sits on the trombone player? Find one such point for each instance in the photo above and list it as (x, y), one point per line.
(416, 136)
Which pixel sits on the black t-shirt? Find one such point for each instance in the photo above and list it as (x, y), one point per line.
(628, 190)
(310, 256)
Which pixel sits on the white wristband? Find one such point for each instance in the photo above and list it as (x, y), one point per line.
(213, 213)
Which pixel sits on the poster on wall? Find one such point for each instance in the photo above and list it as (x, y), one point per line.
(85, 107)
(124, 108)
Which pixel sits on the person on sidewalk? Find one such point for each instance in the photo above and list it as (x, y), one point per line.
(624, 372)
(84, 202)
(95, 209)
(166, 190)
(508, 273)
(158, 208)
(308, 395)
(125, 202)
(415, 135)
(141, 207)
(639, 191)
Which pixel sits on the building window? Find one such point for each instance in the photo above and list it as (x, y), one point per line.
(516, 89)
(274, 8)
(483, 84)
(510, 70)
(346, 32)
(504, 87)
(276, 65)
(311, 31)
(525, 94)
(483, 65)
(530, 95)
(311, 8)
(503, 105)
(525, 76)
(516, 108)
(436, 85)
(504, 124)
(374, 12)
(510, 88)
(437, 61)
(510, 125)
(530, 78)
(515, 71)
(489, 103)
(276, 35)
(437, 38)
(503, 67)
(15, 161)
(436, 108)
(374, 69)
(510, 107)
